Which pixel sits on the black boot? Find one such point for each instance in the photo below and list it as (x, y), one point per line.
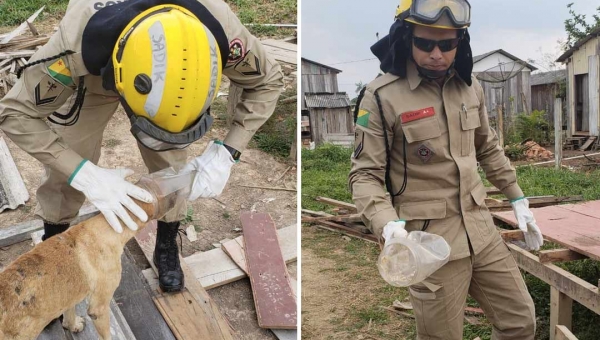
(51, 229)
(166, 257)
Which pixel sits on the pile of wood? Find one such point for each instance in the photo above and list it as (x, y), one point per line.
(345, 219)
(16, 49)
(534, 152)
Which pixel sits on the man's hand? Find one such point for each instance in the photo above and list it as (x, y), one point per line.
(394, 229)
(212, 171)
(533, 235)
(108, 190)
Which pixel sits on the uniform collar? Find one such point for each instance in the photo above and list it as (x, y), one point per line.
(414, 79)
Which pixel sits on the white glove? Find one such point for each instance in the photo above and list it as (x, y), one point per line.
(108, 190)
(394, 229)
(533, 235)
(212, 171)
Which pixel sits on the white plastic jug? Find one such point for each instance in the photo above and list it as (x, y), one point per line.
(406, 261)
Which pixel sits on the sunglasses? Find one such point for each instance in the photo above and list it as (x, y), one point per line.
(427, 45)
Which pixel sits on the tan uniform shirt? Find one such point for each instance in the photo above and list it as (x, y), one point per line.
(447, 133)
(38, 94)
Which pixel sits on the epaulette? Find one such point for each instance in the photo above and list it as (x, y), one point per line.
(381, 81)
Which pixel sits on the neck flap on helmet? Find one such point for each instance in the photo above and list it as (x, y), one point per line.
(394, 51)
(104, 28)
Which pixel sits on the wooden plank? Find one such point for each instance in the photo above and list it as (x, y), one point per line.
(287, 239)
(558, 145)
(281, 44)
(337, 203)
(582, 234)
(17, 31)
(119, 328)
(191, 313)
(512, 235)
(16, 54)
(22, 231)
(215, 268)
(561, 309)
(351, 218)
(587, 143)
(563, 333)
(534, 202)
(567, 283)
(336, 227)
(282, 55)
(135, 300)
(273, 297)
(559, 255)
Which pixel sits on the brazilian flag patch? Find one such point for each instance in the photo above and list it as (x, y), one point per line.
(363, 118)
(59, 71)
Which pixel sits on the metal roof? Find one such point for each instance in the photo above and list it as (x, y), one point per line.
(327, 100)
(578, 44)
(548, 77)
(503, 52)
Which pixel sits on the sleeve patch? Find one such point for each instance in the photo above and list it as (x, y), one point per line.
(359, 140)
(249, 65)
(237, 51)
(59, 71)
(47, 90)
(363, 118)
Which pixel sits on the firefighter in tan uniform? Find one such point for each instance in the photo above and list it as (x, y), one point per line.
(163, 63)
(421, 130)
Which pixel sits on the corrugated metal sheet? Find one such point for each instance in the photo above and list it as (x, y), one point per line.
(327, 100)
(12, 189)
(548, 77)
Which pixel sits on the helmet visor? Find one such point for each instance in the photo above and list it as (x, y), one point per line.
(430, 11)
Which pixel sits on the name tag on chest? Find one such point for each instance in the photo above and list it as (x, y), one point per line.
(416, 115)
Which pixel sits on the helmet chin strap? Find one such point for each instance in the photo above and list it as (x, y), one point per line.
(432, 74)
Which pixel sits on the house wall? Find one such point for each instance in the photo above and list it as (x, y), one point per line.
(330, 125)
(490, 61)
(542, 98)
(516, 88)
(594, 95)
(580, 57)
(316, 78)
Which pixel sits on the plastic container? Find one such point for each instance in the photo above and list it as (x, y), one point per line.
(406, 261)
(169, 187)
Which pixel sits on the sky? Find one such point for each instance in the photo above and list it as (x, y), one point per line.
(334, 32)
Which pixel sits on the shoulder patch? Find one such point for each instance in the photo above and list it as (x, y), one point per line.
(47, 90)
(381, 81)
(249, 65)
(59, 71)
(363, 118)
(237, 51)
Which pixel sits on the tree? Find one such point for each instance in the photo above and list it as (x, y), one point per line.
(577, 27)
(359, 86)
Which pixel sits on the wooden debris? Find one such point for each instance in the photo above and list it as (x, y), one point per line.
(402, 305)
(474, 310)
(17, 31)
(559, 255)
(534, 202)
(333, 218)
(331, 201)
(472, 320)
(534, 152)
(401, 313)
(267, 188)
(273, 297)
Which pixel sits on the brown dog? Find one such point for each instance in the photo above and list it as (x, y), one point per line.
(49, 280)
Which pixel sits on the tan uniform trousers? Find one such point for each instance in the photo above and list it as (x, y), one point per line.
(493, 279)
(58, 202)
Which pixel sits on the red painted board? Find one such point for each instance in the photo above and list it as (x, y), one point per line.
(273, 296)
(574, 226)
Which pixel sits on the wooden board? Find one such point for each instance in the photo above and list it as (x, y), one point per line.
(561, 310)
(563, 333)
(22, 231)
(587, 143)
(281, 51)
(288, 238)
(135, 301)
(337, 203)
(215, 268)
(273, 297)
(573, 226)
(281, 44)
(191, 314)
(119, 328)
(559, 255)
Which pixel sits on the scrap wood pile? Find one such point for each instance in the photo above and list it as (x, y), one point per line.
(534, 152)
(346, 220)
(16, 48)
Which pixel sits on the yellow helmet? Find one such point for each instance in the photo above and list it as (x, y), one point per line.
(446, 14)
(167, 70)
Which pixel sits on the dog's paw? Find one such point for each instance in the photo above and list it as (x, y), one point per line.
(77, 326)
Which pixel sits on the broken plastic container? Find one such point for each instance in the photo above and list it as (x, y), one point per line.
(406, 261)
(169, 187)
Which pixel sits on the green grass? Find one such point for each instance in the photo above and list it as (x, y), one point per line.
(260, 12)
(325, 173)
(14, 12)
(277, 134)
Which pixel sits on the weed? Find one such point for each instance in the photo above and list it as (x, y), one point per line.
(226, 215)
(14, 12)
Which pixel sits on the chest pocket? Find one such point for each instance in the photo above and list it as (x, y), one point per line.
(469, 121)
(421, 137)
